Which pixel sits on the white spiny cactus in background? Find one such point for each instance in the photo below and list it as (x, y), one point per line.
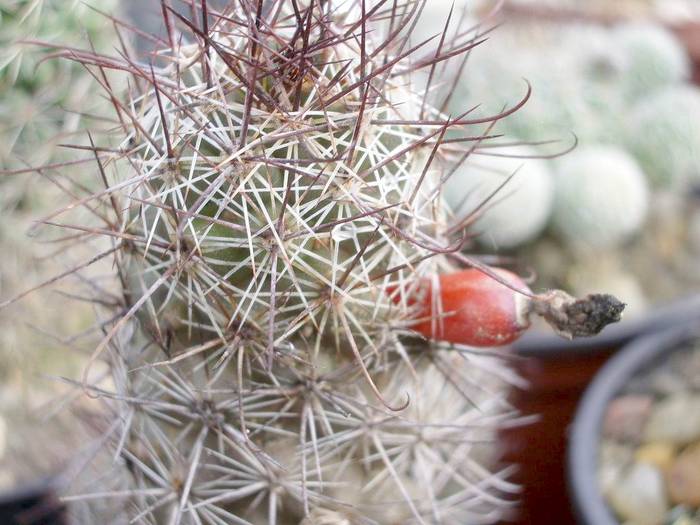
(598, 70)
(569, 95)
(591, 75)
(601, 196)
(654, 59)
(664, 133)
(510, 217)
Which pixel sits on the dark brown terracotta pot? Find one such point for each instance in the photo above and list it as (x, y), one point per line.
(558, 372)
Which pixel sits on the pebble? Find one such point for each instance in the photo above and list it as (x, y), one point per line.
(659, 454)
(640, 496)
(626, 416)
(614, 460)
(666, 383)
(684, 477)
(652, 476)
(682, 515)
(674, 420)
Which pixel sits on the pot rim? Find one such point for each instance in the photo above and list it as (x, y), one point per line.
(584, 435)
(38, 489)
(547, 345)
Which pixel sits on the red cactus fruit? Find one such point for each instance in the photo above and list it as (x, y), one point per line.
(476, 308)
(473, 308)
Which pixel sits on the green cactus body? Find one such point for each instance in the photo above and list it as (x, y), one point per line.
(513, 216)
(272, 219)
(274, 214)
(601, 197)
(664, 133)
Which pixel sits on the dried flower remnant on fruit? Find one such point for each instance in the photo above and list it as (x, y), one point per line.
(571, 317)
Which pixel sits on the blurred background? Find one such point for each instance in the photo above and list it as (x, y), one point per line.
(618, 214)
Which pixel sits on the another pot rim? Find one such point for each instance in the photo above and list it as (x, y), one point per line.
(585, 432)
(42, 487)
(547, 345)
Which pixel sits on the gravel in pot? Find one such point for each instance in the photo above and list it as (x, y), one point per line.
(634, 451)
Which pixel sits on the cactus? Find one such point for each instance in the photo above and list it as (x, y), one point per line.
(494, 77)
(654, 59)
(35, 94)
(574, 92)
(39, 104)
(601, 197)
(503, 219)
(664, 133)
(599, 70)
(274, 208)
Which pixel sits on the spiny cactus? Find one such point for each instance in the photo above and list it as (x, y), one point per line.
(667, 148)
(601, 196)
(36, 93)
(274, 205)
(513, 216)
(654, 59)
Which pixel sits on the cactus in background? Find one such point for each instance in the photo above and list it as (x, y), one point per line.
(42, 103)
(492, 77)
(583, 88)
(515, 215)
(664, 133)
(575, 92)
(601, 196)
(35, 94)
(273, 205)
(654, 59)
